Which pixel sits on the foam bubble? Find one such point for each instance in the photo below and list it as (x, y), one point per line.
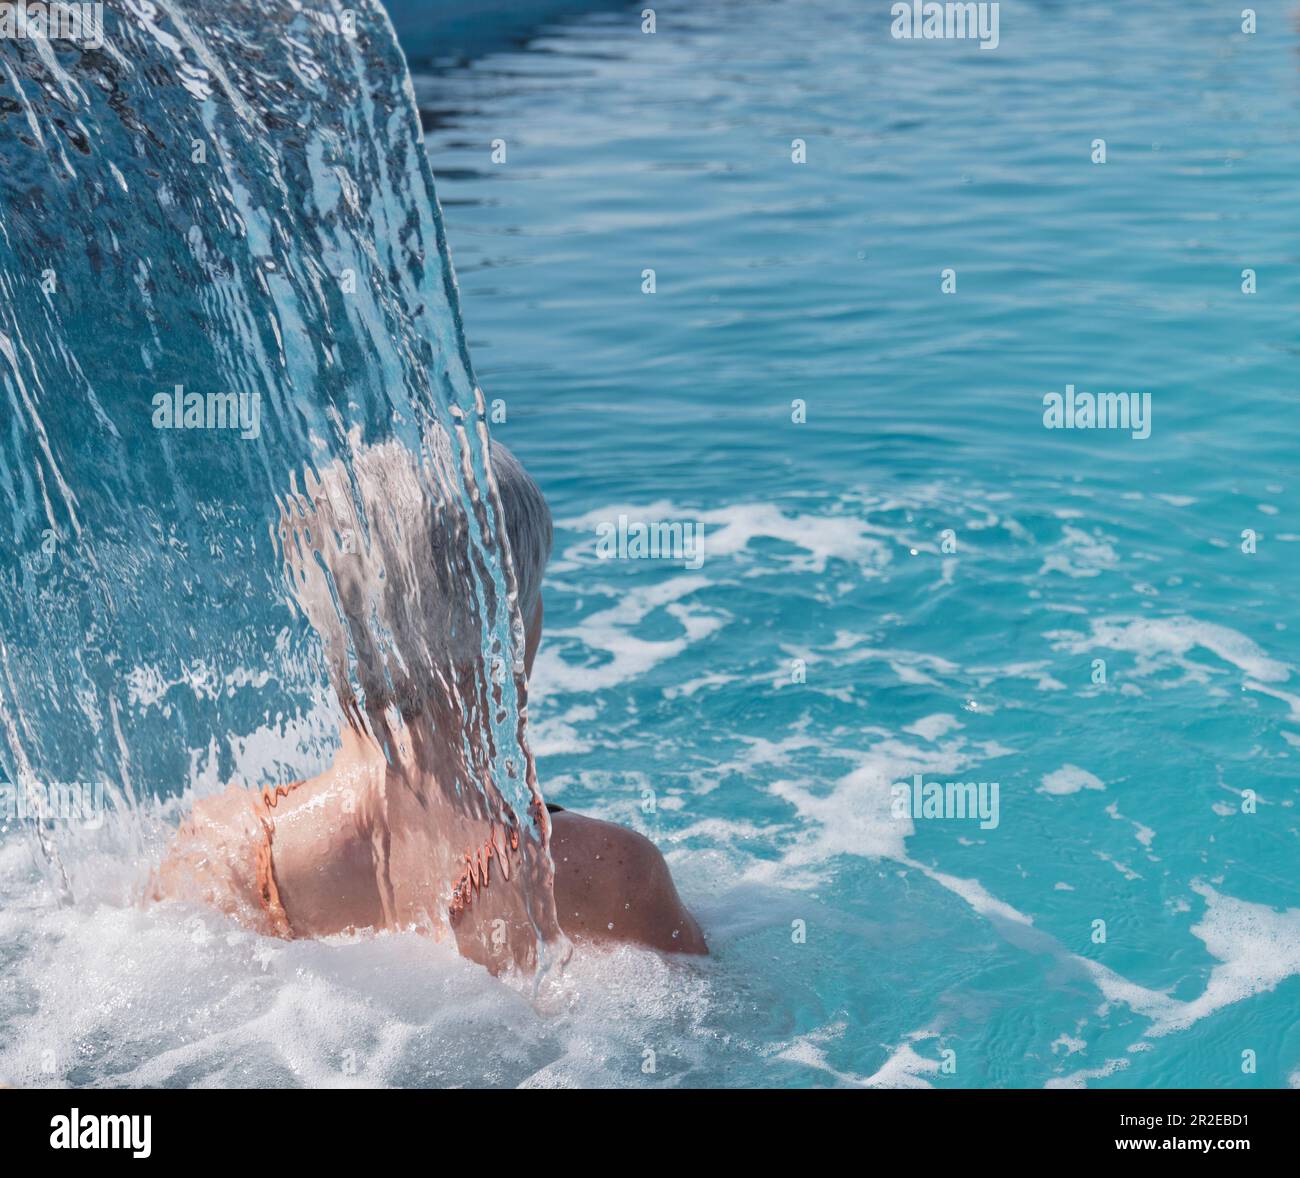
(168, 995)
(729, 531)
(904, 1068)
(1258, 948)
(610, 632)
(1162, 642)
(932, 727)
(1080, 1079)
(1069, 779)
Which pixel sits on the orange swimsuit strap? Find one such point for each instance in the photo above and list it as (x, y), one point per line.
(268, 894)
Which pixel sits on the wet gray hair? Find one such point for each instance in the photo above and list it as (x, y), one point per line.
(378, 556)
(528, 525)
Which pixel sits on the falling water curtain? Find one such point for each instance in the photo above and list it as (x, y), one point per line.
(222, 266)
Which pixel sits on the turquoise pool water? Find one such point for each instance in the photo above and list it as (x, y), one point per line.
(918, 578)
(1119, 802)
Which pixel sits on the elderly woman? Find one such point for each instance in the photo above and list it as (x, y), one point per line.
(407, 829)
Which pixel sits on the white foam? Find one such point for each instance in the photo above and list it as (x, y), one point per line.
(609, 632)
(856, 817)
(1144, 834)
(1159, 643)
(552, 735)
(758, 752)
(691, 686)
(912, 667)
(904, 1068)
(1080, 1079)
(1069, 779)
(1289, 698)
(975, 894)
(932, 727)
(1258, 948)
(106, 993)
(729, 531)
(1079, 554)
(1123, 868)
(1035, 672)
(1069, 1044)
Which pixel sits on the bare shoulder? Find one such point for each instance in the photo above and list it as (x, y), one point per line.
(612, 884)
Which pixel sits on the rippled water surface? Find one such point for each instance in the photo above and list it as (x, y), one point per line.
(1120, 802)
(850, 946)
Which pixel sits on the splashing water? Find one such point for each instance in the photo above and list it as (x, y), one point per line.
(223, 283)
(923, 937)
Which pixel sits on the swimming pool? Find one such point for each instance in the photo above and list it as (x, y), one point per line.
(822, 281)
(916, 578)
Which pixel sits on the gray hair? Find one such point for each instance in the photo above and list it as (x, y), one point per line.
(528, 526)
(378, 556)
